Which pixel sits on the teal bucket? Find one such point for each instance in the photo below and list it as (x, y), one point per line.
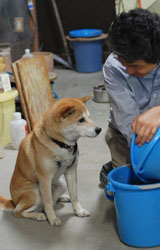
(137, 208)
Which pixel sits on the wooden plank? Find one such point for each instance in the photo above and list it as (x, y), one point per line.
(36, 87)
(21, 96)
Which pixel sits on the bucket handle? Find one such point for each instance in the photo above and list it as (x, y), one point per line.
(109, 187)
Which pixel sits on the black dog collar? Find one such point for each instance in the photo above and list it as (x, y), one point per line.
(63, 145)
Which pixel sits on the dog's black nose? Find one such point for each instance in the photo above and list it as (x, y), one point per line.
(98, 130)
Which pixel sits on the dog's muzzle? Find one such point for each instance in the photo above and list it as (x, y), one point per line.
(97, 130)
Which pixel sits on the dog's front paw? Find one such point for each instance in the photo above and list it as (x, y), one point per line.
(55, 221)
(41, 216)
(82, 213)
(64, 199)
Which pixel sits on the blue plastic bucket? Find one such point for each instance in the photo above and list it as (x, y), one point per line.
(88, 55)
(146, 159)
(137, 208)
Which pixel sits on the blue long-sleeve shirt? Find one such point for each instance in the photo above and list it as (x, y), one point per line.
(129, 95)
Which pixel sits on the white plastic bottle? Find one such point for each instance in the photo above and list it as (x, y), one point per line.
(27, 54)
(18, 129)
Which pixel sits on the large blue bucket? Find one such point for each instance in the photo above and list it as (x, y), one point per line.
(88, 55)
(137, 208)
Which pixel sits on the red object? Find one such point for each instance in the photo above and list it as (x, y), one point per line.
(139, 3)
(26, 131)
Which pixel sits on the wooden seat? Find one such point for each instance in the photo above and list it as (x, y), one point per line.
(33, 85)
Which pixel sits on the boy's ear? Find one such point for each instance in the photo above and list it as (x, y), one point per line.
(85, 98)
(67, 111)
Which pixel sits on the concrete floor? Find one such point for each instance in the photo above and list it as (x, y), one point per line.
(97, 232)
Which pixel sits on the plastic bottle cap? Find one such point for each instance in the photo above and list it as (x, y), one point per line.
(27, 51)
(17, 116)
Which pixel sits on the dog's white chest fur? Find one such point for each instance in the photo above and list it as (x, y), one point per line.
(59, 165)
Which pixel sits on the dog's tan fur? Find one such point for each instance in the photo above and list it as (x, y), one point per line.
(36, 184)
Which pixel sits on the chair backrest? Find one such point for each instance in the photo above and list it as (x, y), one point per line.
(34, 89)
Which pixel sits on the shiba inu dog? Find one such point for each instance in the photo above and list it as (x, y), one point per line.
(45, 154)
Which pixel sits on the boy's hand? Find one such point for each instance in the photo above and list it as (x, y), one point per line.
(146, 125)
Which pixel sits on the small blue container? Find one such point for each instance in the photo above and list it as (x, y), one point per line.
(146, 159)
(137, 208)
(88, 55)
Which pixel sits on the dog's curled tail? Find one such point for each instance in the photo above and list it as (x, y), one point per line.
(6, 204)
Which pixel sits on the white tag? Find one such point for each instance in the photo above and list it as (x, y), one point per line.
(5, 82)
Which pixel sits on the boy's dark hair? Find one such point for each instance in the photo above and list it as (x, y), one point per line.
(136, 36)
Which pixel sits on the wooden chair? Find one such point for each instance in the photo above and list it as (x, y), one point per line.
(33, 85)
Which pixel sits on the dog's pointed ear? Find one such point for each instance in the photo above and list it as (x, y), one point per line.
(85, 98)
(67, 111)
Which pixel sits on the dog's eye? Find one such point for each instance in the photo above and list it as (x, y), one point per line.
(81, 120)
